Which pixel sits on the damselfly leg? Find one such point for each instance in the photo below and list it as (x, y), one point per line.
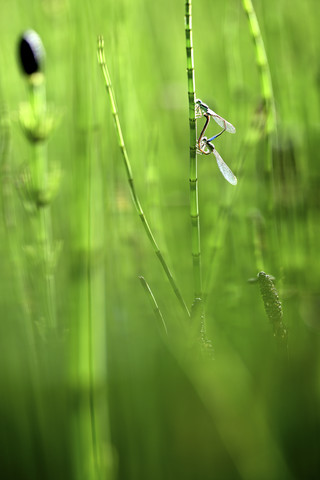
(200, 142)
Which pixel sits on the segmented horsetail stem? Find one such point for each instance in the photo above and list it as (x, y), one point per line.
(31, 53)
(193, 179)
(263, 66)
(273, 307)
(136, 201)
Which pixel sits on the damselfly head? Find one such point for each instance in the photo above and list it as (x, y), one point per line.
(205, 147)
(201, 108)
(201, 105)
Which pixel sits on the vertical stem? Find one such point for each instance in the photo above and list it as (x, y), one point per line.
(90, 332)
(194, 204)
(37, 101)
(264, 71)
(268, 104)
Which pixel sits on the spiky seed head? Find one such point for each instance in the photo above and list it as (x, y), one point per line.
(31, 52)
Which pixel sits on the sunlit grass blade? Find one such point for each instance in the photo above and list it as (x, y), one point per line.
(136, 201)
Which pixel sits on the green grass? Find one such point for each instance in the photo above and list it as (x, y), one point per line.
(102, 392)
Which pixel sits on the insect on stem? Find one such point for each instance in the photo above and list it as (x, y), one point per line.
(204, 145)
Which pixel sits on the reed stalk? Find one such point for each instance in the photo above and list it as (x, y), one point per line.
(268, 100)
(193, 176)
(37, 124)
(263, 65)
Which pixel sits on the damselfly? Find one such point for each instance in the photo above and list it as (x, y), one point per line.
(204, 144)
(206, 147)
(203, 110)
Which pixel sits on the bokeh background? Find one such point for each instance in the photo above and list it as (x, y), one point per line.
(103, 393)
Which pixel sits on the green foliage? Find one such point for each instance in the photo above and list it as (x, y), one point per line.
(92, 387)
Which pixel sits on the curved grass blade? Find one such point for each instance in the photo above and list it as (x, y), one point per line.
(153, 302)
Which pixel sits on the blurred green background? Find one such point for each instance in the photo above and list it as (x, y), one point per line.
(102, 393)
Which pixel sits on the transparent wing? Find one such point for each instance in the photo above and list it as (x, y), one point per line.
(221, 121)
(224, 169)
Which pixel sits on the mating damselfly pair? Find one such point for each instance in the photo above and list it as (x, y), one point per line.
(205, 146)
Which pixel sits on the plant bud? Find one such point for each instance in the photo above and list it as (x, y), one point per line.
(31, 52)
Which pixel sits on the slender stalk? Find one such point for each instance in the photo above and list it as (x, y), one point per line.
(102, 62)
(39, 173)
(264, 72)
(258, 233)
(154, 304)
(95, 449)
(194, 204)
(268, 110)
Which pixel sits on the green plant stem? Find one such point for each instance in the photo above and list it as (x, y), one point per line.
(269, 117)
(193, 179)
(154, 304)
(102, 62)
(95, 449)
(39, 176)
(258, 233)
(263, 66)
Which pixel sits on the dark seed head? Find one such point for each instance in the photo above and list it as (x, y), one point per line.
(31, 52)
